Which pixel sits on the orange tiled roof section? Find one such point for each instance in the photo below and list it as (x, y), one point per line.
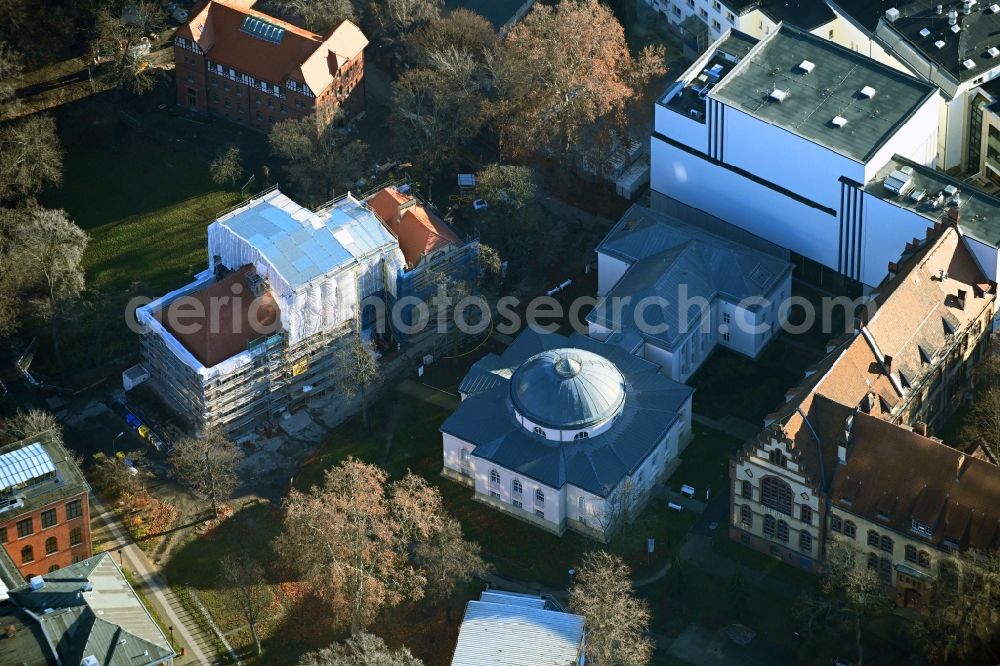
(418, 230)
(300, 55)
(915, 310)
(235, 323)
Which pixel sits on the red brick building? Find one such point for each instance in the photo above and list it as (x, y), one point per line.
(44, 507)
(243, 65)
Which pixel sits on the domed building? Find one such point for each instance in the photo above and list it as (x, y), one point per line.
(565, 433)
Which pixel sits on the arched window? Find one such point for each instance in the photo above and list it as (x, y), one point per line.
(805, 541)
(581, 504)
(769, 526)
(494, 477)
(538, 431)
(516, 487)
(465, 455)
(583, 434)
(54, 567)
(886, 544)
(746, 516)
(778, 457)
(747, 490)
(782, 531)
(836, 523)
(539, 497)
(51, 546)
(27, 554)
(910, 552)
(75, 536)
(873, 538)
(924, 559)
(776, 494)
(850, 529)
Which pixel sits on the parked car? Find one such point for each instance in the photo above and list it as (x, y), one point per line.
(480, 204)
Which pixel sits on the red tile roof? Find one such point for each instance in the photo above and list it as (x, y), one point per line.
(418, 230)
(216, 337)
(300, 55)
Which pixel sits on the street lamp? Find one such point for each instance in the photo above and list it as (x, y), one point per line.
(114, 451)
(171, 629)
(120, 563)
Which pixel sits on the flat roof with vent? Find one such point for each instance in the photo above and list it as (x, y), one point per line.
(839, 121)
(831, 90)
(807, 66)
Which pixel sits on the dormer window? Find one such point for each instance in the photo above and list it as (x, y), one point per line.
(923, 529)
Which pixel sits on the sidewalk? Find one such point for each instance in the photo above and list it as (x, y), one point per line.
(149, 583)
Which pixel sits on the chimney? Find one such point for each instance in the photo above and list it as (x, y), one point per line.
(887, 361)
(940, 9)
(920, 427)
(961, 299)
(942, 275)
(960, 467)
(954, 216)
(893, 268)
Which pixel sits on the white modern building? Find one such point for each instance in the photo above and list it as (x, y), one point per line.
(779, 137)
(565, 433)
(670, 291)
(512, 628)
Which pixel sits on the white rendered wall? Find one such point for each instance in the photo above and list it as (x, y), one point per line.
(609, 271)
(987, 257)
(916, 140)
(886, 229)
(756, 208)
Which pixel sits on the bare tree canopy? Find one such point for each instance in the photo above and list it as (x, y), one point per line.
(119, 43)
(30, 157)
(962, 615)
(351, 538)
(560, 71)
(227, 167)
(361, 650)
(209, 465)
(462, 29)
(507, 185)
(317, 161)
(449, 560)
(359, 370)
(616, 621)
(396, 17)
(31, 423)
(320, 16)
(248, 587)
(11, 67)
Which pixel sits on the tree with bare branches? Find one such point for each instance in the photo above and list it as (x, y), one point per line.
(31, 423)
(449, 560)
(119, 47)
(394, 18)
(245, 577)
(361, 650)
(564, 71)
(351, 538)
(617, 622)
(316, 159)
(31, 157)
(209, 465)
(317, 15)
(461, 29)
(359, 369)
(227, 167)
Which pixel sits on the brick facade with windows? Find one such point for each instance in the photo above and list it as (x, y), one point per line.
(245, 66)
(46, 522)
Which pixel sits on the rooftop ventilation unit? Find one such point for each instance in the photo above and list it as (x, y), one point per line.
(925, 32)
(952, 17)
(951, 190)
(892, 14)
(939, 43)
(918, 195)
(37, 583)
(956, 28)
(778, 95)
(995, 8)
(839, 121)
(807, 66)
(897, 182)
(867, 92)
(993, 51)
(969, 63)
(967, 6)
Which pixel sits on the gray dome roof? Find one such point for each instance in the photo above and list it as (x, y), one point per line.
(567, 389)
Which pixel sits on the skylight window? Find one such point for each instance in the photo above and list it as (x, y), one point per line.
(993, 51)
(867, 92)
(778, 95)
(807, 66)
(969, 63)
(939, 43)
(926, 32)
(956, 28)
(839, 121)
(995, 8)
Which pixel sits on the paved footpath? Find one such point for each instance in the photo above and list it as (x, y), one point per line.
(188, 633)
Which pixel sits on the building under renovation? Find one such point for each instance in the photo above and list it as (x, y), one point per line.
(255, 334)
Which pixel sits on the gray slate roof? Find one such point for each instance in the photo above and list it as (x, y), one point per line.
(95, 612)
(486, 418)
(669, 258)
(830, 89)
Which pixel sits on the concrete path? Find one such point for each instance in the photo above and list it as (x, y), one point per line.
(198, 650)
(731, 425)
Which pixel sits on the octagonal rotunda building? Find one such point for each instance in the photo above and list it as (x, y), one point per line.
(565, 433)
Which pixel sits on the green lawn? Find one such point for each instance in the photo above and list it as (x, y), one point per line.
(146, 206)
(705, 462)
(728, 383)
